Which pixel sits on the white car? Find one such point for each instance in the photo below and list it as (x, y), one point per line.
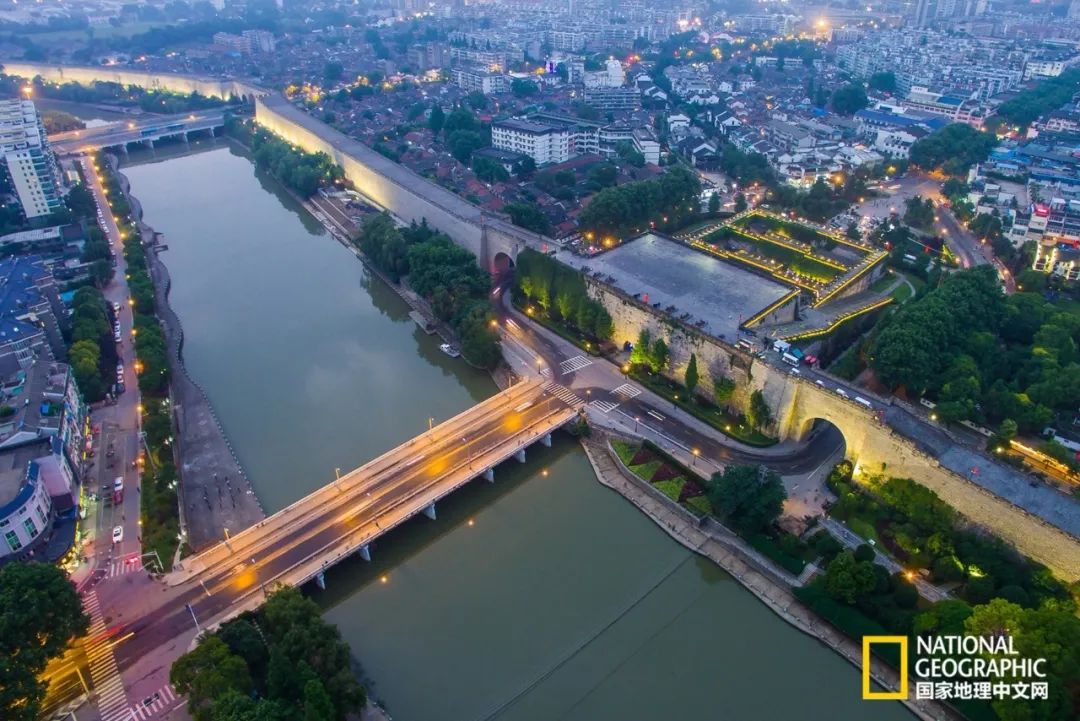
(118, 534)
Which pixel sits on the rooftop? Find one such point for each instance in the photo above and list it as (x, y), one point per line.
(671, 274)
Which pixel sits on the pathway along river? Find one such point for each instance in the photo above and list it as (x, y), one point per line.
(543, 596)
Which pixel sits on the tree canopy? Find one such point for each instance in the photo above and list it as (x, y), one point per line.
(280, 663)
(953, 149)
(632, 206)
(750, 498)
(40, 612)
(984, 356)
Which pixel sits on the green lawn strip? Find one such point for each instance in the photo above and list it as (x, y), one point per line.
(671, 487)
(882, 283)
(625, 451)
(699, 504)
(646, 470)
(726, 423)
(902, 292)
(863, 527)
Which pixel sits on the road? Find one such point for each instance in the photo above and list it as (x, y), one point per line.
(116, 429)
(852, 540)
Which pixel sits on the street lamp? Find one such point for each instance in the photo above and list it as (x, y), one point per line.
(696, 453)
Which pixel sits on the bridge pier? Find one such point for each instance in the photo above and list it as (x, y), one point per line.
(546, 440)
(184, 136)
(365, 553)
(320, 580)
(149, 143)
(430, 511)
(489, 475)
(520, 455)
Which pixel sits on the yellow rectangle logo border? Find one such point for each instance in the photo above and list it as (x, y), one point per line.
(867, 693)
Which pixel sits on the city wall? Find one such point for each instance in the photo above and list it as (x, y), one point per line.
(392, 187)
(797, 403)
(211, 87)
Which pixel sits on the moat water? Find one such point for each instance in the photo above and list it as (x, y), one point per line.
(538, 597)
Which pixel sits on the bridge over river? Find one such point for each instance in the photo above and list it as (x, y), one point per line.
(298, 543)
(144, 130)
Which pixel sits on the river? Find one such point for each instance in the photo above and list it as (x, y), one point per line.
(542, 596)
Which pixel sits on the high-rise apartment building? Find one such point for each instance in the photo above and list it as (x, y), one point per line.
(30, 163)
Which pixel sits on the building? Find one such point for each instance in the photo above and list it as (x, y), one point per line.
(261, 41)
(233, 43)
(613, 98)
(952, 107)
(30, 309)
(26, 512)
(30, 163)
(475, 79)
(544, 142)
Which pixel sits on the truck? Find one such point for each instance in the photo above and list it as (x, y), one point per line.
(781, 346)
(118, 490)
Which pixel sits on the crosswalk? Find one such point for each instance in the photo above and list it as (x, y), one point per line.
(563, 393)
(574, 364)
(111, 699)
(164, 699)
(627, 390)
(604, 406)
(121, 566)
(545, 372)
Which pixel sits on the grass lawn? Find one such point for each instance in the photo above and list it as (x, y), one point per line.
(863, 528)
(902, 292)
(100, 32)
(646, 470)
(883, 282)
(671, 487)
(625, 451)
(569, 334)
(699, 504)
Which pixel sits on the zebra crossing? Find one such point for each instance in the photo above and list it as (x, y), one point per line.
(121, 566)
(627, 390)
(545, 372)
(563, 393)
(604, 406)
(111, 699)
(574, 364)
(162, 700)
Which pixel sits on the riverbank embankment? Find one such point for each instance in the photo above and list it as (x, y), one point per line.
(215, 494)
(725, 549)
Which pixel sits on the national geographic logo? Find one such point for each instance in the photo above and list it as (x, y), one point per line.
(960, 668)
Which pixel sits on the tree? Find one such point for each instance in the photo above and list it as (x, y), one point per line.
(740, 203)
(659, 355)
(848, 579)
(523, 88)
(477, 100)
(714, 203)
(691, 379)
(758, 414)
(40, 612)
(884, 81)
(333, 71)
(953, 149)
(207, 673)
(641, 352)
(853, 231)
(317, 703)
(723, 389)
(748, 497)
(436, 119)
(849, 99)
(528, 216)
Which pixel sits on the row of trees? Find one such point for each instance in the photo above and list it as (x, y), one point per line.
(560, 292)
(158, 101)
(632, 206)
(1028, 105)
(984, 356)
(92, 352)
(443, 273)
(1001, 592)
(282, 662)
(303, 172)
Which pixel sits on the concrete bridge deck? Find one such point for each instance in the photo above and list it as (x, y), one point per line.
(145, 129)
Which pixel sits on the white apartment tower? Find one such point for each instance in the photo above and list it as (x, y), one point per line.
(30, 163)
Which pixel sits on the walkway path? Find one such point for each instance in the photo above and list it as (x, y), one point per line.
(771, 586)
(215, 494)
